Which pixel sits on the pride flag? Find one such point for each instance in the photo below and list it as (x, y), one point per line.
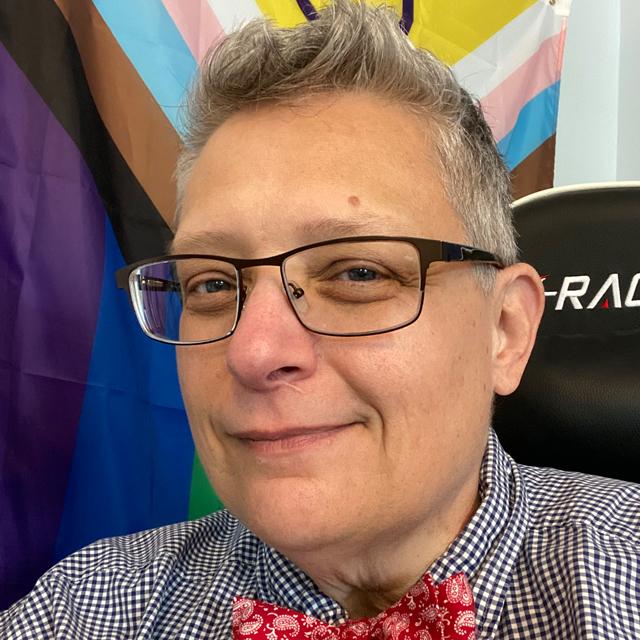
(94, 440)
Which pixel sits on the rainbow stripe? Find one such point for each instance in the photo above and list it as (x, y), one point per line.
(93, 437)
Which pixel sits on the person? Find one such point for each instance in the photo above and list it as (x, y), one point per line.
(345, 297)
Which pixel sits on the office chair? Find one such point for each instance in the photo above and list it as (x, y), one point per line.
(578, 406)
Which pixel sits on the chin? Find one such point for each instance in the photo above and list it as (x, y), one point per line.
(294, 538)
(290, 518)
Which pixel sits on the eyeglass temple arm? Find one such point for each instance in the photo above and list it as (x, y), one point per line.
(150, 284)
(157, 284)
(461, 253)
(147, 283)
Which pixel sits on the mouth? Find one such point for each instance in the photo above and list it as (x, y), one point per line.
(290, 440)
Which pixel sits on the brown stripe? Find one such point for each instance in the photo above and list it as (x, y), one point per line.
(535, 172)
(144, 136)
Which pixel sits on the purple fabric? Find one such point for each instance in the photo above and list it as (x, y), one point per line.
(406, 22)
(307, 8)
(51, 262)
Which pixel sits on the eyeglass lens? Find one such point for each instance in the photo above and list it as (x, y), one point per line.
(343, 288)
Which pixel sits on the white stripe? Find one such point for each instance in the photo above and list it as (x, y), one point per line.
(561, 7)
(482, 70)
(232, 14)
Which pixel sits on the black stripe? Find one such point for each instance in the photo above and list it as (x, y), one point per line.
(40, 41)
(406, 21)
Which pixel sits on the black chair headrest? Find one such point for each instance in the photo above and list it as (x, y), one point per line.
(578, 406)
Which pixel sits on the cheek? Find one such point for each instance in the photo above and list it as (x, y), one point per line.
(205, 390)
(428, 384)
(201, 374)
(458, 399)
(203, 387)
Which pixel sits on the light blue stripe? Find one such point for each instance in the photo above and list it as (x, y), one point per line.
(536, 123)
(133, 457)
(153, 44)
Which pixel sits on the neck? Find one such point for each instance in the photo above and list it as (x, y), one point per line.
(367, 576)
(367, 595)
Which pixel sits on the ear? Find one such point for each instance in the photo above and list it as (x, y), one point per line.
(519, 303)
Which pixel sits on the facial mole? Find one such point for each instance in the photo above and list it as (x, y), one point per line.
(354, 201)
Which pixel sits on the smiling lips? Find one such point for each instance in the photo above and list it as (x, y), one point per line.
(289, 440)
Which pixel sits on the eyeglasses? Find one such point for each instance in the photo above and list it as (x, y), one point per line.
(346, 287)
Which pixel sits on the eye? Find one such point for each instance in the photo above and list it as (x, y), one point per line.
(211, 286)
(360, 274)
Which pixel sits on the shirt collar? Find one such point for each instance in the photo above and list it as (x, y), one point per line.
(488, 546)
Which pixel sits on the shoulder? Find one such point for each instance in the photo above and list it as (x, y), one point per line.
(195, 548)
(578, 571)
(568, 500)
(152, 578)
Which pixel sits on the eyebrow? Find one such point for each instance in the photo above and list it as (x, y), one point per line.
(330, 228)
(307, 232)
(200, 241)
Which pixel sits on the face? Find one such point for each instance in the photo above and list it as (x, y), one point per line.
(315, 440)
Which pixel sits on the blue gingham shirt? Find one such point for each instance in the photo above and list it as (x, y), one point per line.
(549, 554)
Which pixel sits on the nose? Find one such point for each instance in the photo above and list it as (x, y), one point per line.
(270, 347)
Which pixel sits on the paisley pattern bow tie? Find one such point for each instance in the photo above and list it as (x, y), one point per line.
(428, 611)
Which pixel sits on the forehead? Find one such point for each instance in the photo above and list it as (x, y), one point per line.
(279, 176)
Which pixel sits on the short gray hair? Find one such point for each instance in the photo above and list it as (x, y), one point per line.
(353, 47)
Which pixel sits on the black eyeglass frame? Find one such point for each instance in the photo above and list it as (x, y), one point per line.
(429, 250)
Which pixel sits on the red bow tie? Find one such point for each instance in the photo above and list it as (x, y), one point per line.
(427, 612)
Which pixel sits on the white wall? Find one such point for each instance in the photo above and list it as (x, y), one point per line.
(629, 92)
(598, 136)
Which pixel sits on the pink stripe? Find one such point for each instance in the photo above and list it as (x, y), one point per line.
(196, 22)
(502, 106)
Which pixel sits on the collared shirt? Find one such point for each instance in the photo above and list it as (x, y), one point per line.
(549, 554)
